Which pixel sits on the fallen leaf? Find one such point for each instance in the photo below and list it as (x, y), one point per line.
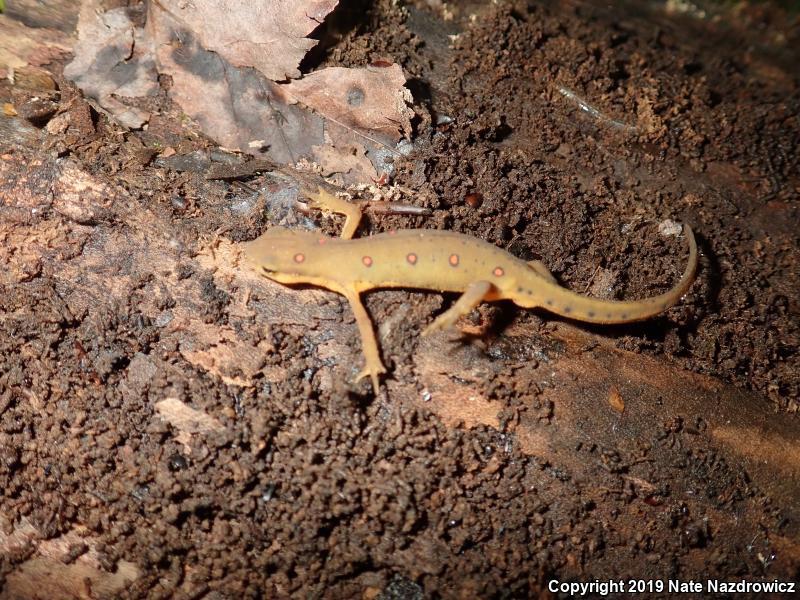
(33, 78)
(238, 107)
(370, 99)
(348, 159)
(365, 112)
(268, 36)
(113, 58)
(225, 62)
(21, 46)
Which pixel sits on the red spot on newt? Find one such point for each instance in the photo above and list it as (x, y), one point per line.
(453, 260)
(270, 250)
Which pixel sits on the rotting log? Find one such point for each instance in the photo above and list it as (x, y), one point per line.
(618, 424)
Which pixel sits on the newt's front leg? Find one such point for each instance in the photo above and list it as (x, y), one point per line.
(374, 366)
(325, 201)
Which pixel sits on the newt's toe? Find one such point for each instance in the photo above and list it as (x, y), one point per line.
(439, 324)
(374, 372)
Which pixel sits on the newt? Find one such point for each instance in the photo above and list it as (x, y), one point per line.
(435, 260)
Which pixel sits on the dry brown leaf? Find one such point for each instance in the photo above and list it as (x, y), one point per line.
(224, 61)
(370, 99)
(365, 113)
(268, 36)
(113, 58)
(351, 159)
(21, 46)
(346, 120)
(347, 129)
(237, 107)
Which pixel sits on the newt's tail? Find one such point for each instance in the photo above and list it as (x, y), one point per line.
(594, 310)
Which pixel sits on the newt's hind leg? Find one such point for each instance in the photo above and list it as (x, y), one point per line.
(472, 296)
(374, 367)
(327, 202)
(541, 270)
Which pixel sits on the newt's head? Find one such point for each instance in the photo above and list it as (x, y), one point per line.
(280, 251)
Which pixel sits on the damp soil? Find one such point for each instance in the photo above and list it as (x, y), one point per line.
(196, 433)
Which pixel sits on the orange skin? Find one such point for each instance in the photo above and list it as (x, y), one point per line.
(434, 260)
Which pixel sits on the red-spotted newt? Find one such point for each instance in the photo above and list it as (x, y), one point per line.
(433, 260)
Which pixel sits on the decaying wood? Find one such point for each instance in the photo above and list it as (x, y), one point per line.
(619, 423)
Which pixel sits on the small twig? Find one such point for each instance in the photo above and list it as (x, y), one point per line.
(363, 135)
(591, 280)
(382, 207)
(593, 111)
